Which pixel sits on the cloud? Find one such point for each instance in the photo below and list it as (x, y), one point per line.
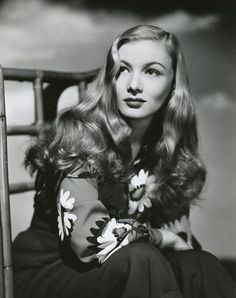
(218, 100)
(37, 33)
(182, 22)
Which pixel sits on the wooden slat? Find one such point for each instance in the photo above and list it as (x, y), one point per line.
(21, 187)
(1, 266)
(2, 131)
(37, 77)
(16, 74)
(14, 130)
(4, 201)
(38, 99)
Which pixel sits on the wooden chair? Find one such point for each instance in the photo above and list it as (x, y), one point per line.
(46, 100)
(48, 86)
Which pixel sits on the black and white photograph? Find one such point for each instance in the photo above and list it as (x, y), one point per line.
(117, 149)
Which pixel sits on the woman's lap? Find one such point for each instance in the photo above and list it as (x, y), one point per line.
(137, 270)
(200, 274)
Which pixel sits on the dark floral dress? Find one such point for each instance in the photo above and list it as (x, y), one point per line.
(101, 240)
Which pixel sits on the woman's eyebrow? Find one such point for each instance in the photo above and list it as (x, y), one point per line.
(146, 64)
(155, 62)
(125, 62)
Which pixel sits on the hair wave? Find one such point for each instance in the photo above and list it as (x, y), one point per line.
(94, 132)
(91, 133)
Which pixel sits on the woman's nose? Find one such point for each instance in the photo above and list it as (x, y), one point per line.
(134, 85)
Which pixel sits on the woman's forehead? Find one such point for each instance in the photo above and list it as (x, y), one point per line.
(144, 52)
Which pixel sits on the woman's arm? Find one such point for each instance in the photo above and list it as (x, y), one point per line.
(164, 238)
(84, 220)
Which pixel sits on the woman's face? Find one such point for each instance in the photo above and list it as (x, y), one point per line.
(144, 80)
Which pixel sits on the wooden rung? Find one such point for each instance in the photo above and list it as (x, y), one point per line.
(21, 187)
(23, 129)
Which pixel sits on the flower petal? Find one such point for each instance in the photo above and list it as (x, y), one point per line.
(147, 202)
(141, 208)
(151, 180)
(67, 223)
(60, 227)
(71, 216)
(139, 179)
(64, 196)
(69, 204)
(133, 205)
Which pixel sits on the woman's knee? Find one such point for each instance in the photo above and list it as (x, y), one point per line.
(143, 261)
(138, 252)
(140, 259)
(193, 260)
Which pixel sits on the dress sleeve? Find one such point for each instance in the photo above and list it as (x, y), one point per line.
(181, 227)
(84, 220)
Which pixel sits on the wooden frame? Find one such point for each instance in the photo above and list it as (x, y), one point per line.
(46, 100)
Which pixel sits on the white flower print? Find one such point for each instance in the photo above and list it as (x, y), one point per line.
(142, 188)
(65, 218)
(136, 190)
(144, 202)
(138, 180)
(178, 226)
(108, 241)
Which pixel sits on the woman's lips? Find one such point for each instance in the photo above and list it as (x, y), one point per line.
(134, 99)
(134, 103)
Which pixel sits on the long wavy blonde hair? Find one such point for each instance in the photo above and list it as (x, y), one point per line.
(93, 132)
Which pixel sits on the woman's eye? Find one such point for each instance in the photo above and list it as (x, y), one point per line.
(152, 72)
(123, 69)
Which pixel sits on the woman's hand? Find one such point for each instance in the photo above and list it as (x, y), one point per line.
(172, 240)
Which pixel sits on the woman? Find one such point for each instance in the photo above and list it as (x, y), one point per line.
(115, 182)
